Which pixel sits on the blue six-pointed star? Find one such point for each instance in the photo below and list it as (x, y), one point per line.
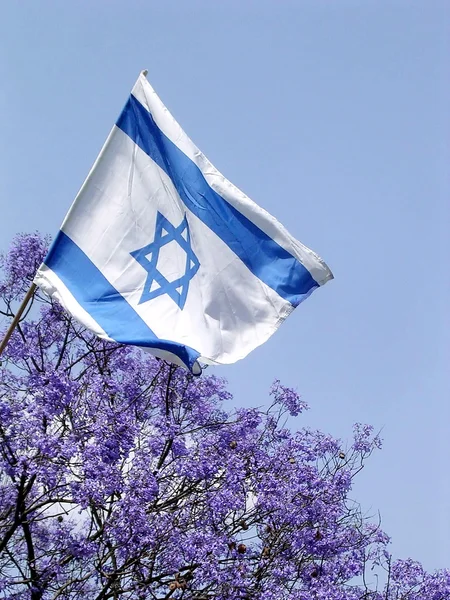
(148, 256)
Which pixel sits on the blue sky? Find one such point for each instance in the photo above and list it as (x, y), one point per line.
(334, 116)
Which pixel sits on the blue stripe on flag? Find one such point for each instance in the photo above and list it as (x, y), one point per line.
(103, 302)
(266, 259)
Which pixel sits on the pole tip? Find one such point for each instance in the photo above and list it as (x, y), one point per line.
(145, 72)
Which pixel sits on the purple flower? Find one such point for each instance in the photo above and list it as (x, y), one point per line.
(122, 476)
(288, 398)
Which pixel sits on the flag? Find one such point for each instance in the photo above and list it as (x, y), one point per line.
(160, 251)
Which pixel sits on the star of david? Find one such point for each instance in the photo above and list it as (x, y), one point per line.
(156, 284)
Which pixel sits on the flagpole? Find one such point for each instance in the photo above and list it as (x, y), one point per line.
(16, 319)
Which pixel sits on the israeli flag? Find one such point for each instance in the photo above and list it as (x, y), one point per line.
(160, 251)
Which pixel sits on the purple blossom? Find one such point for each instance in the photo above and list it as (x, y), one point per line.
(122, 476)
(288, 398)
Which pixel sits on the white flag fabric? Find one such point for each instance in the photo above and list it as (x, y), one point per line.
(160, 251)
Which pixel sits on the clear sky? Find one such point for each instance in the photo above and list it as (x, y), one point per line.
(334, 116)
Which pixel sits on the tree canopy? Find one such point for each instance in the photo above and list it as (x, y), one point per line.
(125, 477)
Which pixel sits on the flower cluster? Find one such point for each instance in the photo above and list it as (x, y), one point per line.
(124, 477)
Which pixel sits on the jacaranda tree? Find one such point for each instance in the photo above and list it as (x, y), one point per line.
(124, 477)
